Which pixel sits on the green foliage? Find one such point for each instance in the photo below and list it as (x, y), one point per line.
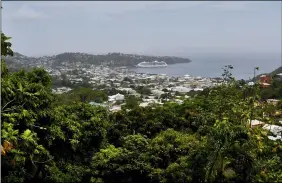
(82, 95)
(6, 45)
(143, 90)
(274, 91)
(206, 139)
(131, 102)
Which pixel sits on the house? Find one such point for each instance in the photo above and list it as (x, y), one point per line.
(117, 97)
(157, 92)
(98, 104)
(144, 104)
(198, 89)
(178, 101)
(272, 101)
(275, 129)
(265, 80)
(256, 123)
(128, 90)
(265, 85)
(181, 89)
(278, 137)
(115, 108)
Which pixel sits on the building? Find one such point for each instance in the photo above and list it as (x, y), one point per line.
(256, 123)
(265, 81)
(181, 89)
(272, 101)
(275, 129)
(117, 97)
(115, 108)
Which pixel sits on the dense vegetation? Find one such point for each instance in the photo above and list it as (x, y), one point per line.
(274, 91)
(81, 94)
(206, 139)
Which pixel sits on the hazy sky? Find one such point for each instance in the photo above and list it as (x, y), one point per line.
(40, 28)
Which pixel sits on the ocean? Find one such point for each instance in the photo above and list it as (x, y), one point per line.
(212, 66)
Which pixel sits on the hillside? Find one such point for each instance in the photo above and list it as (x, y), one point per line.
(276, 71)
(272, 74)
(111, 59)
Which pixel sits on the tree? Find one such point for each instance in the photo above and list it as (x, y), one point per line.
(25, 101)
(143, 90)
(6, 45)
(81, 94)
(122, 164)
(227, 75)
(131, 102)
(61, 138)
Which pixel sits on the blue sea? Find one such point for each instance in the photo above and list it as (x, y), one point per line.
(211, 66)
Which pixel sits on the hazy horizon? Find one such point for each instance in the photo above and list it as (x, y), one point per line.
(151, 28)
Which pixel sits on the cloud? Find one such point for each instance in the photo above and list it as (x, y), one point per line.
(26, 12)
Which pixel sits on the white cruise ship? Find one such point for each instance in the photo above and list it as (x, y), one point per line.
(152, 64)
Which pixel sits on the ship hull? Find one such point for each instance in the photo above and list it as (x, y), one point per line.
(151, 66)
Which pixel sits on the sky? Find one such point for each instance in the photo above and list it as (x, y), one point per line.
(158, 28)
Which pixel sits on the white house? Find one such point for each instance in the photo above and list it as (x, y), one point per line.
(272, 101)
(179, 101)
(115, 108)
(157, 92)
(144, 104)
(181, 89)
(275, 129)
(117, 97)
(198, 89)
(255, 123)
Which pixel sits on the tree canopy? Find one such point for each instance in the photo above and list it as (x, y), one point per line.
(47, 138)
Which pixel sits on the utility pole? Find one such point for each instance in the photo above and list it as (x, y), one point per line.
(255, 69)
(254, 73)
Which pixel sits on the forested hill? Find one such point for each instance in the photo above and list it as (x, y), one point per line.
(112, 59)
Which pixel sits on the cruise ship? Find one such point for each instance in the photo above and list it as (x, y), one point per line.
(152, 64)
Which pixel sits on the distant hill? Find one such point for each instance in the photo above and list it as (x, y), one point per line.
(110, 59)
(276, 71)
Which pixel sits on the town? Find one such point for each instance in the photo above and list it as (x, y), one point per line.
(156, 89)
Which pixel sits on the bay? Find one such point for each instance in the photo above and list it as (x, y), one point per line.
(211, 66)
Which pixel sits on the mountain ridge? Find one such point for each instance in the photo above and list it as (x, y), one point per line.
(110, 59)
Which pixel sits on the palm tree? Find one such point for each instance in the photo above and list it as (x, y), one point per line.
(255, 69)
(5, 45)
(230, 159)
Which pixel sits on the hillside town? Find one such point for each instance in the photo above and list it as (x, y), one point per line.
(123, 79)
(160, 88)
(145, 88)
